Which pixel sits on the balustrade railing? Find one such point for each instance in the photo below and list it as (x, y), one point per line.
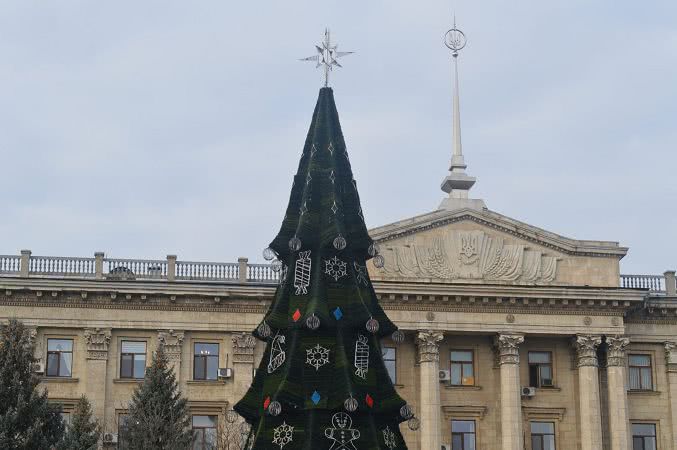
(654, 283)
(262, 273)
(10, 264)
(191, 270)
(136, 268)
(61, 266)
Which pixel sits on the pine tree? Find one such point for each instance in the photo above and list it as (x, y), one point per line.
(158, 414)
(27, 420)
(84, 431)
(322, 382)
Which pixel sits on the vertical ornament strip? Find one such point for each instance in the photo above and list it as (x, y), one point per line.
(361, 356)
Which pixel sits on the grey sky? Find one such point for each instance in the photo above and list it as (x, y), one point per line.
(142, 128)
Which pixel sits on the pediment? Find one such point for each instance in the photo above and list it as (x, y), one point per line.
(487, 247)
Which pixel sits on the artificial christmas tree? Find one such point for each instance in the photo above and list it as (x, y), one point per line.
(322, 383)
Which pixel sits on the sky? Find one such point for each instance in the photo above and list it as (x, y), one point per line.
(147, 128)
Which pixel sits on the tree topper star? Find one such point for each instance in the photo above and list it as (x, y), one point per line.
(327, 56)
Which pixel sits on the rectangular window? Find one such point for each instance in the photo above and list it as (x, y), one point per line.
(542, 436)
(643, 436)
(540, 369)
(205, 361)
(462, 370)
(59, 358)
(204, 432)
(132, 359)
(463, 435)
(66, 418)
(123, 439)
(639, 371)
(390, 360)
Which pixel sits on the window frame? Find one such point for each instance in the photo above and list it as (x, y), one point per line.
(650, 368)
(58, 359)
(463, 434)
(462, 364)
(539, 381)
(541, 435)
(122, 442)
(393, 377)
(205, 359)
(145, 359)
(201, 430)
(655, 435)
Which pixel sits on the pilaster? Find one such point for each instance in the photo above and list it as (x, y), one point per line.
(619, 428)
(588, 391)
(507, 351)
(671, 367)
(172, 342)
(428, 343)
(243, 362)
(97, 341)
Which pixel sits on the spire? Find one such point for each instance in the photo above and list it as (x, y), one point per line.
(458, 183)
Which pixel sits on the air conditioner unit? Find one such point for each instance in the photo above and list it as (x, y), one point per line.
(444, 375)
(528, 391)
(110, 438)
(225, 372)
(39, 367)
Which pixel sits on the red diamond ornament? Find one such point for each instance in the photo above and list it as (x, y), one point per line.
(296, 316)
(266, 402)
(369, 400)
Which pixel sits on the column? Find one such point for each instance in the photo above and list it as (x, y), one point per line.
(172, 341)
(619, 427)
(588, 391)
(243, 363)
(671, 367)
(97, 341)
(507, 347)
(429, 388)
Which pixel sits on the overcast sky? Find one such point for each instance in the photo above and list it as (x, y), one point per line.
(142, 128)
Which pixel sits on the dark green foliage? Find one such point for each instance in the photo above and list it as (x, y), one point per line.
(324, 208)
(27, 420)
(158, 414)
(84, 431)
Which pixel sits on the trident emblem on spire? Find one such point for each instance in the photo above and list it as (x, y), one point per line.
(326, 56)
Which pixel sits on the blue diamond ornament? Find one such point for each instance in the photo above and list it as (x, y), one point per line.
(315, 397)
(338, 313)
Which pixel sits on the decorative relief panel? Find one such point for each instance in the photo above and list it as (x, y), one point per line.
(172, 341)
(469, 255)
(243, 348)
(97, 340)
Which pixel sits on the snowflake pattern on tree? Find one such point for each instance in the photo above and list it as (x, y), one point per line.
(283, 434)
(335, 268)
(389, 438)
(317, 356)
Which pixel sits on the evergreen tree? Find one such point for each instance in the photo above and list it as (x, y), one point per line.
(322, 382)
(84, 431)
(27, 420)
(158, 414)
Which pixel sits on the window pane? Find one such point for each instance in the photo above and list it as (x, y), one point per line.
(52, 364)
(546, 376)
(139, 366)
(65, 364)
(133, 347)
(197, 439)
(533, 375)
(637, 443)
(456, 374)
(649, 443)
(126, 366)
(464, 356)
(468, 379)
(634, 378)
(206, 349)
(542, 428)
(462, 426)
(61, 345)
(204, 421)
(536, 443)
(549, 442)
(539, 357)
(199, 368)
(392, 371)
(210, 439)
(640, 360)
(66, 417)
(645, 373)
(212, 367)
(457, 442)
(388, 353)
(643, 429)
(469, 442)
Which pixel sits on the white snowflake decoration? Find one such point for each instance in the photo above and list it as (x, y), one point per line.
(283, 434)
(389, 438)
(302, 273)
(317, 356)
(335, 268)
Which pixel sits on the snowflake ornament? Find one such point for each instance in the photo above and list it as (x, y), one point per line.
(389, 438)
(283, 434)
(335, 268)
(317, 356)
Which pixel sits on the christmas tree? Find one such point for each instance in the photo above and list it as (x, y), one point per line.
(84, 431)
(322, 383)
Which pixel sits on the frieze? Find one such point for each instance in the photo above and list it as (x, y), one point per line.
(97, 341)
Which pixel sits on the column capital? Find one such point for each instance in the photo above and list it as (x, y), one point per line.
(97, 340)
(172, 341)
(670, 348)
(428, 345)
(615, 356)
(243, 347)
(586, 349)
(507, 348)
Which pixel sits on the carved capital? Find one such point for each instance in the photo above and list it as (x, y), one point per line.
(97, 340)
(615, 356)
(38, 352)
(428, 345)
(171, 341)
(586, 350)
(670, 356)
(507, 348)
(243, 348)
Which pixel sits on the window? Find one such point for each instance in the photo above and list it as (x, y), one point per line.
(66, 418)
(542, 436)
(643, 436)
(206, 361)
(123, 440)
(540, 369)
(204, 432)
(640, 372)
(462, 371)
(462, 435)
(390, 360)
(59, 358)
(132, 359)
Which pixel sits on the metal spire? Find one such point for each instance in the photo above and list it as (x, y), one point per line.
(326, 56)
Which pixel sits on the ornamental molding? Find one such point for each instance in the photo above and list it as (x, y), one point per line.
(172, 342)
(428, 343)
(243, 347)
(586, 349)
(97, 341)
(37, 344)
(616, 350)
(542, 413)
(507, 348)
(670, 356)
(464, 412)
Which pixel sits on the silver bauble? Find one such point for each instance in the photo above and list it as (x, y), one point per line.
(274, 409)
(340, 242)
(268, 254)
(407, 412)
(414, 424)
(264, 330)
(372, 325)
(398, 337)
(350, 404)
(313, 322)
(294, 244)
(379, 261)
